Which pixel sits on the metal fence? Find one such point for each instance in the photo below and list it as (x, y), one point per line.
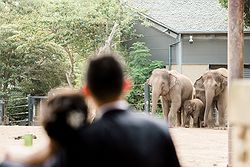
(26, 110)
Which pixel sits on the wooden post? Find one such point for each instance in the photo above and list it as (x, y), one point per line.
(239, 118)
(235, 54)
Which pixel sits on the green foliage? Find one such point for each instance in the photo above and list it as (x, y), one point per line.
(247, 12)
(17, 107)
(140, 67)
(42, 42)
(45, 41)
(224, 3)
(25, 59)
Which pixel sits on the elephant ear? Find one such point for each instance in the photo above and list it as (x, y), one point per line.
(223, 75)
(172, 80)
(169, 80)
(198, 85)
(223, 80)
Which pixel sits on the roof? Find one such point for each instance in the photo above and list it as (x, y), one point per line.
(185, 15)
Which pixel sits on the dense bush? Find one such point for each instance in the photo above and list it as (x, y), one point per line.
(140, 66)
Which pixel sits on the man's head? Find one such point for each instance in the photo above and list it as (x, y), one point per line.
(105, 78)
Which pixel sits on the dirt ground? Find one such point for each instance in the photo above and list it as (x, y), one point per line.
(195, 147)
(201, 147)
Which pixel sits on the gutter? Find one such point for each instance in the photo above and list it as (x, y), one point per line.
(170, 54)
(171, 32)
(209, 32)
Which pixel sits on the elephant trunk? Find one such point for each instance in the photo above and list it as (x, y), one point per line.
(155, 98)
(186, 120)
(209, 100)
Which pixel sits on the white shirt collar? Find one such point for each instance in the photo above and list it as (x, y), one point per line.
(120, 104)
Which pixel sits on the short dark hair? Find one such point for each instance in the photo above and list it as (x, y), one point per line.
(105, 77)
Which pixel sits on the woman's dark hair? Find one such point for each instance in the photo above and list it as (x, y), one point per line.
(64, 113)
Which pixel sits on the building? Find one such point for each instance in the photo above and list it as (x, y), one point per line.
(188, 35)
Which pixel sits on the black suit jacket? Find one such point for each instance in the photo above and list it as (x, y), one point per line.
(121, 138)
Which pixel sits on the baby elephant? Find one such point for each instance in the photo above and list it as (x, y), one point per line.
(193, 108)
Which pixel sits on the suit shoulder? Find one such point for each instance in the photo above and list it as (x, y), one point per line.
(146, 120)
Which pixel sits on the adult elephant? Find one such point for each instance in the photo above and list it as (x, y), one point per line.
(211, 88)
(174, 88)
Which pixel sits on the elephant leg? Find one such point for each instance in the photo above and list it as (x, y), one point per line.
(182, 116)
(186, 123)
(174, 113)
(165, 108)
(222, 121)
(179, 122)
(186, 119)
(210, 120)
(201, 119)
(199, 123)
(196, 122)
(215, 113)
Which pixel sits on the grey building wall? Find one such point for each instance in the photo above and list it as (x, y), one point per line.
(210, 51)
(247, 51)
(204, 51)
(207, 49)
(157, 42)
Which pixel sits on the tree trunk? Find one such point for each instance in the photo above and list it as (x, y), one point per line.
(70, 74)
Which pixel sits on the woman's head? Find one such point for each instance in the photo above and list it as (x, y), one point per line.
(63, 114)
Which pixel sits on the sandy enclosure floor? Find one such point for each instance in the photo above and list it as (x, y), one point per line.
(201, 147)
(195, 147)
(10, 144)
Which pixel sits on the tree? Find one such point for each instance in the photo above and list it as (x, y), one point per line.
(81, 27)
(246, 10)
(46, 42)
(73, 28)
(140, 67)
(27, 57)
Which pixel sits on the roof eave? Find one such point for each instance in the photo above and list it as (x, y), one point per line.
(160, 26)
(207, 32)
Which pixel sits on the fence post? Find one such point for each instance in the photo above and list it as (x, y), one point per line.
(146, 98)
(239, 118)
(30, 109)
(1, 111)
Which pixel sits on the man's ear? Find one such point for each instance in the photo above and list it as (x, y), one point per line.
(127, 84)
(85, 90)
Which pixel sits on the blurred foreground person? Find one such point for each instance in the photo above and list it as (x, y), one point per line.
(120, 137)
(63, 115)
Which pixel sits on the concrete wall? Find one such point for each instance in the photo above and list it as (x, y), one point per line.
(192, 71)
